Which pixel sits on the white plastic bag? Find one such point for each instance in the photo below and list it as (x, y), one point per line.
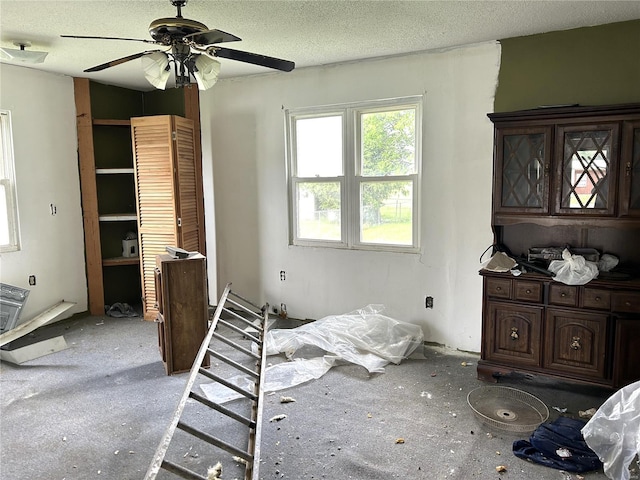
(613, 433)
(573, 269)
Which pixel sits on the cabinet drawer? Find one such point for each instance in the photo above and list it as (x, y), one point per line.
(626, 302)
(528, 291)
(563, 295)
(499, 287)
(595, 298)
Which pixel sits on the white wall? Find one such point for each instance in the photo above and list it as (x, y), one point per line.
(45, 146)
(245, 120)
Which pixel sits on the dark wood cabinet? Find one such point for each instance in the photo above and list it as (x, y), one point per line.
(523, 157)
(182, 311)
(513, 334)
(630, 170)
(565, 176)
(626, 350)
(588, 333)
(566, 164)
(576, 343)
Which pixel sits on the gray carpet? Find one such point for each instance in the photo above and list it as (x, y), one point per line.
(98, 410)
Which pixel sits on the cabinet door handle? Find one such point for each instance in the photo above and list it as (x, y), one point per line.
(546, 169)
(627, 170)
(575, 343)
(514, 333)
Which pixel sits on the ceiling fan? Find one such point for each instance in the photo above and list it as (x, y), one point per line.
(190, 46)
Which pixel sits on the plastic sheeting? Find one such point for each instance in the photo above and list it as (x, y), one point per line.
(573, 269)
(364, 337)
(613, 433)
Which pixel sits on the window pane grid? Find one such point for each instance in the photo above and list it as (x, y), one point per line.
(387, 142)
(355, 175)
(8, 212)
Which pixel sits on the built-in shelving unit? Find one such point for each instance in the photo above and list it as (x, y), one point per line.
(107, 180)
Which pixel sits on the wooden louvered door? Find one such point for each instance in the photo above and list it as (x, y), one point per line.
(187, 196)
(166, 193)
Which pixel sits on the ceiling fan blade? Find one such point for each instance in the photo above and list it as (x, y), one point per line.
(113, 63)
(109, 38)
(254, 58)
(211, 36)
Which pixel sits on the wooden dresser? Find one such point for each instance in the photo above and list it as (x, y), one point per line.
(565, 176)
(182, 310)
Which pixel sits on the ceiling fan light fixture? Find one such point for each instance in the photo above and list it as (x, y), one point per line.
(156, 69)
(206, 71)
(21, 54)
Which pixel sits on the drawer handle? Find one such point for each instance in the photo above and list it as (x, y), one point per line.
(575, 343)
(563, 294)
(514, 333)
(627, 303)
(498, 289)
(597, 299)
(528, 291)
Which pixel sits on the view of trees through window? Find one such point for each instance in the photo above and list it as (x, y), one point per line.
(372, 188)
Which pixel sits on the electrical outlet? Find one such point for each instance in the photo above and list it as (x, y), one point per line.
(428, 303)
(32, 280)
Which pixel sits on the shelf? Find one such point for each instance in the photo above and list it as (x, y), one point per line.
(112, 171)
(118, 217)
(107, 122)
(111, 262)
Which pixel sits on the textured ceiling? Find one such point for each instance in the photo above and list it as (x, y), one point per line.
(307, 32)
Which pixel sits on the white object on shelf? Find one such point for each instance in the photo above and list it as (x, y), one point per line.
(130, 248)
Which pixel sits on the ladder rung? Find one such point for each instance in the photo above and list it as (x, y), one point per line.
(215, 441)
(257, 328)
(236, 346)
(234, 294)
(181, 471)
(239, 330)
(234, 364)
(225, 411)
(240, 354)
(227, 384)
(252, 323)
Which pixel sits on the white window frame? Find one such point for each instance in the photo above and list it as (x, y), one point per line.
(351, 180)
(8, 182)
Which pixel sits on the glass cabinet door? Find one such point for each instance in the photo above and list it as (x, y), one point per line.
(586, 175)
(522, 159)
(630, 170)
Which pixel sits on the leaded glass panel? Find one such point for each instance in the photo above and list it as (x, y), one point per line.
(585, 169)
(523, 171)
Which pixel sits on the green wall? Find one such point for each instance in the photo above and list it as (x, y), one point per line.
(108, 101)
(589, 66)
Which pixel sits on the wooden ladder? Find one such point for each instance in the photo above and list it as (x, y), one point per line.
(235, 340)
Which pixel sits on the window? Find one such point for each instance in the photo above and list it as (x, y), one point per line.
(354, 174)
(9, 238)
